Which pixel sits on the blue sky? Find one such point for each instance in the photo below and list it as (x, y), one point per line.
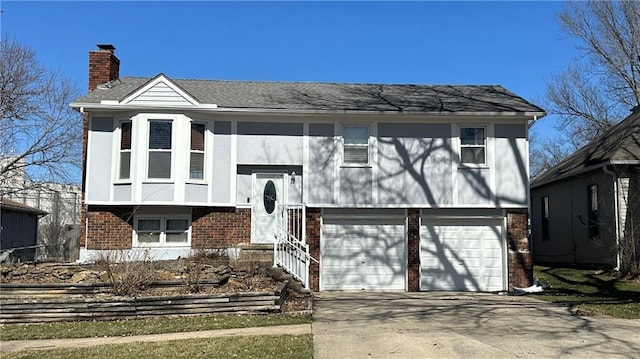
(515, 44)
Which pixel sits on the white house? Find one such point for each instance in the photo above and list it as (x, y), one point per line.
(390, 187)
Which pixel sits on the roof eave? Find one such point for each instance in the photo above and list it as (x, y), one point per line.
(82, 107)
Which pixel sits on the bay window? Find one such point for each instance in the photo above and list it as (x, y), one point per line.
(159, 160)
(196, 160)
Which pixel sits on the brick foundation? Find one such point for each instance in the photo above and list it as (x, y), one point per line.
(220, 227)
(413, 260)
(109, 227)
(519, 259)
(313, 240)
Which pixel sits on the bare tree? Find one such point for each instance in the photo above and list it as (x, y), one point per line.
(602, 84)
(41, 135)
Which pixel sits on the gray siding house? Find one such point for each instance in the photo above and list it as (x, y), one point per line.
(18, 230)
(354, 186)
(585, 209)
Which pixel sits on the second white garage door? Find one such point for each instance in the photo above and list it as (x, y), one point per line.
(464, 255)
(363, 254)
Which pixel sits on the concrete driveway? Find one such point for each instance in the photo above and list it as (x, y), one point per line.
(462, 325)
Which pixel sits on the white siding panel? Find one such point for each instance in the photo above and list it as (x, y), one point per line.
(160, 94)
(363, 254)
(462, 255)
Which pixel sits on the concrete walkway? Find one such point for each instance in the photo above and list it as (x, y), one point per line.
(297, 329)
(463, 325)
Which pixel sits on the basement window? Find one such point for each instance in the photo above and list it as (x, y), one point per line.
(162, 230)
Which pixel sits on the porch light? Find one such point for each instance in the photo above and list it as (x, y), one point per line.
(293, 177)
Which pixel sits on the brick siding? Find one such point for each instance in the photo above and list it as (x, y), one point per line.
(313, 240)
(109, 227)
(220, 227)
(413, 260)
(520, 261)
(104, 66)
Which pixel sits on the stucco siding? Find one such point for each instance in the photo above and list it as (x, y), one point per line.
(152, 192)
(221, 158)
(196, 192)
(511, 165)
(414, 164)
(356, 186)
(122, 193)
(100, 160)
(269, 143)
(322, 164)
(474, 186)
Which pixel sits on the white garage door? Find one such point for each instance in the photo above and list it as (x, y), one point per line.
(363, 254)
(464, 255)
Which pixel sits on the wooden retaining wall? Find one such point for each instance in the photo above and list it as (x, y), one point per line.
(40, 290)
(74, 309)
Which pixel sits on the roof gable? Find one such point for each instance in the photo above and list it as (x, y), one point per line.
(160, 91)
(620, 144)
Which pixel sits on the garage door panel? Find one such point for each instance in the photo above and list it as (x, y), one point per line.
(359, 254)
(461, 255)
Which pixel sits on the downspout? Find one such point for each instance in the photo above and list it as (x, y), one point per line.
(615, 213)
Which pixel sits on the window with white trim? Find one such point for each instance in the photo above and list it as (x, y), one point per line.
(355, 144)
(124, 170)
(159, 160)
(196, 156)
(163, 230)
(473, 145)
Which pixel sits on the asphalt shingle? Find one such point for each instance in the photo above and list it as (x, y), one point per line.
(334, 96)
(619, 143)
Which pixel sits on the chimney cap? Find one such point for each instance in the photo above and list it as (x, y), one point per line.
(106, 47)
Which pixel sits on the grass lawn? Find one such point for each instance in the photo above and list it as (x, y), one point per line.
(144, 326)
(264, 347)
(590, 292)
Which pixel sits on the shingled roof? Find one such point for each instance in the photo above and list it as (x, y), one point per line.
(620, 144)
(19, 207)
(302, 96)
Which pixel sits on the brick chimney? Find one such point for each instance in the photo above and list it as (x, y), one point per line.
(104, 66)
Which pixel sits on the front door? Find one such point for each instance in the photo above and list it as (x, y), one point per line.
(268, 189)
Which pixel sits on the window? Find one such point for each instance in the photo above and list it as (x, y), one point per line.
(592, 195)
(196, 161)
(545, 218)
(356, 144)
(163, 230)
(472, 145)
(159, 164)
(125, 150)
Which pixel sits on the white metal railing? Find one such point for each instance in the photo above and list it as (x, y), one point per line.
(290, 251)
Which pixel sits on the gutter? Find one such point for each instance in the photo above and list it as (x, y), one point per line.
(216, 109)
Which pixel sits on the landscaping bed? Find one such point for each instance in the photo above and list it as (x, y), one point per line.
(108, 289)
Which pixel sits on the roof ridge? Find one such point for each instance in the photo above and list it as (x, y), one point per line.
(323, 82)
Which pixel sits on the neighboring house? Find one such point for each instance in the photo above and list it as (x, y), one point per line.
(585, 209)
(58, 231)
(391, 187)
(18, 230)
